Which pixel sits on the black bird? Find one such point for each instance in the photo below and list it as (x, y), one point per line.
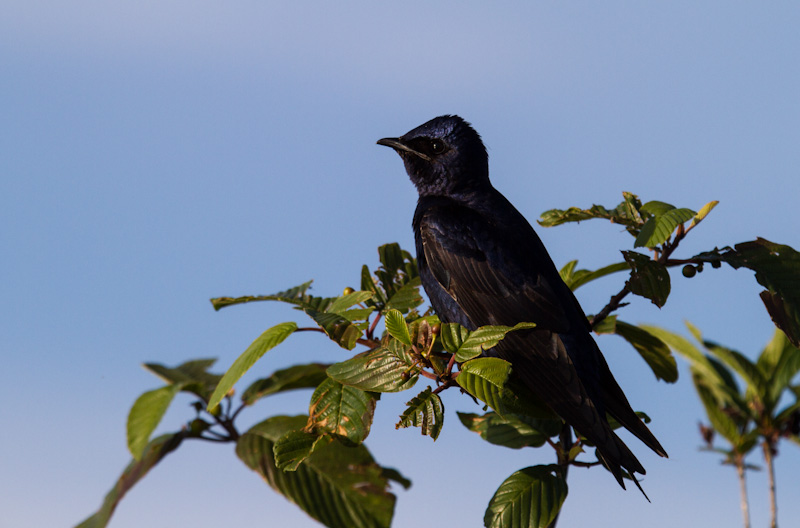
(481, 263)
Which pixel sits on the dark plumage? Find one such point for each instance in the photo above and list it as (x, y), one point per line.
(481, 263)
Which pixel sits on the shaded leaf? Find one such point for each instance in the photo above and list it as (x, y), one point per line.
(341, 410)
(151, 455)
(339, 329)
(722, 422)
(296, 295)
(652, 349)
(484, 338)
(425, 411)
(387, 368)
(337, 485)
(511, 430)
(529, 498)
(396, 476)
(295, 446)
(191, 375)
(265, 342)
(649, 278)
(368, 284)
(626, 213)
(484, 378)
(296, 377)
(144, 416)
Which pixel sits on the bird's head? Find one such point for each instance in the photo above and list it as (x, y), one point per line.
(444, 156)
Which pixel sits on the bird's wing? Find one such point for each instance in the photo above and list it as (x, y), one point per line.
(495, 279)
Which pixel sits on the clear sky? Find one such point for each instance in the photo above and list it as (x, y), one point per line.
(156, 154)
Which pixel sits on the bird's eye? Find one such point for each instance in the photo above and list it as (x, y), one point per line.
(437, 146)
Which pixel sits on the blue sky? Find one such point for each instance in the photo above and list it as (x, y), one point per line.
(156, 154)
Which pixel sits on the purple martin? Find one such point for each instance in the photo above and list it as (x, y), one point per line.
(481, 263)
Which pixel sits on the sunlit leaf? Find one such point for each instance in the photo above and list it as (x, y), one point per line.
(484, 338)
(296, 295)
(146, 413)
(484, 378)
(425, 411)
(529, 498)
(388, 368)
(582, 276)
(265, 342)
(344, 302)
(660, 227)
(397, 327)
(703, 212)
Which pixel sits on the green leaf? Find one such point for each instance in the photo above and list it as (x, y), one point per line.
(295, 295)
(657, 208)
(368, 284)
(484, 338)
(742, 366)
(296, 377)
(452, 336)
(145, 415)
(721, 421)
(581, 277)
(626, 213)
(344, 302)
(191, 375)
(339, 329)
(265, 342)
(295, 446)
(397, 327)
(649, 278)
(780, 363)
(511, 430)
(151, 455)
(425, 411)
(703, 212)
(652, 349)
(484, 378)
(337, 485)
(777, 268)
(406, 297)
(341, 410)
(660, 227)
(529, 498)
(387, 368)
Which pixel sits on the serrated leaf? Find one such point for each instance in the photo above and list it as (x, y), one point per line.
(397, 327)
(425, 411)
(151, 455)
(659, 228)
(648, 279)
(387, 368)
(529, 498)
(514, 431)
(296, 377)
(337, 485)
(484, 378)
(146, 413)
(191, 375)
(652, 349)
(341, 410)
(264, 343)
(339, 329)
(484, 338)
(295, 446)
(295, 295)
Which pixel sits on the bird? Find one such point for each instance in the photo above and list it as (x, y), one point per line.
(481, 263)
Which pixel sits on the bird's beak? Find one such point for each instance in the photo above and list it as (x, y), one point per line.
(398, 145)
